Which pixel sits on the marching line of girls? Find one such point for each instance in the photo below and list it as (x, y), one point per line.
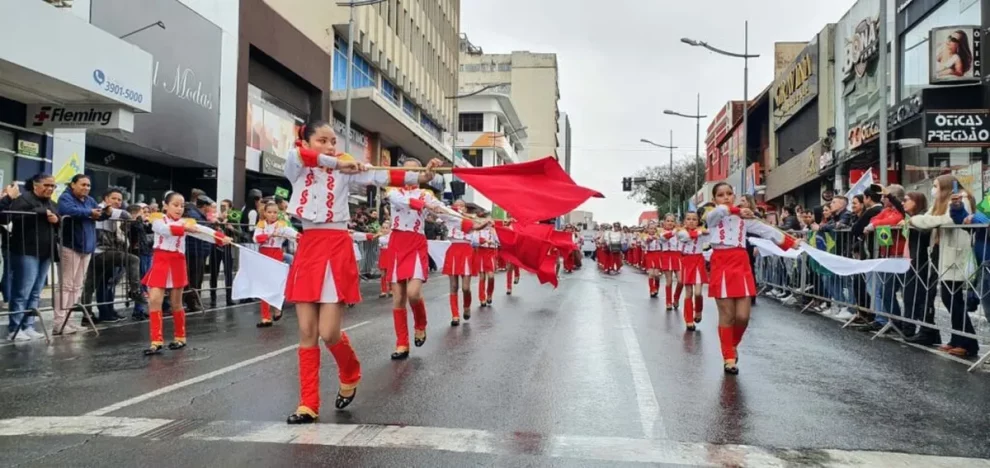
(408, 267)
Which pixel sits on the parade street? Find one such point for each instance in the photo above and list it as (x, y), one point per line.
(592, 374)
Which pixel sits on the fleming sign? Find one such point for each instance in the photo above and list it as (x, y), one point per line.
(797, 85)
(81, 117)
(957, 128)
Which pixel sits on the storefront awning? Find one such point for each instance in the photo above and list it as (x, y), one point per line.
(794, 173)
(374, 112)
(61, 59)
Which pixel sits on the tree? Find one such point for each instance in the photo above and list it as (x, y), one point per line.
(656, 190)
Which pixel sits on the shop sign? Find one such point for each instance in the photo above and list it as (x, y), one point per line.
(272, 164)
(904, 111)
(81, 117)
(28, 148)
(797, 86)
(863, 132)
(955, 55)
(825, 160)
(861, 48)
(957, 128)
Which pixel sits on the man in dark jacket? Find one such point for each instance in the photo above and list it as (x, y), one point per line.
(112, 255)
(197, 251)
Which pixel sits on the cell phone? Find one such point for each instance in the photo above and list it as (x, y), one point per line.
(955, 186)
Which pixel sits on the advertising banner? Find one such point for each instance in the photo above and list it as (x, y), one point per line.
(796, 86)
(955, 55)
(957, 128)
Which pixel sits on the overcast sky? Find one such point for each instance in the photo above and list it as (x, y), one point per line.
(622, 63)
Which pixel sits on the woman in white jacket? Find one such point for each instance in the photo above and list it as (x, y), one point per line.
(952, 252)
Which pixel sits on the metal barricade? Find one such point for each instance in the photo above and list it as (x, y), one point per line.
(938, 300)
(27, 282)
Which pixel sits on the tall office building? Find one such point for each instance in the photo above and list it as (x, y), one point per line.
(404, 71)
(530, 79)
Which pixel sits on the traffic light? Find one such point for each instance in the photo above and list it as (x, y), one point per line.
(627, 184)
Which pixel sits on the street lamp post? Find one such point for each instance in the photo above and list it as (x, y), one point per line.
(697, 138)
(671, 147)
(350, 64)
(745, 56)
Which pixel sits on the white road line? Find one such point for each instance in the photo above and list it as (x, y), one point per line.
(474, 441)
(646, 397)
(202, 378)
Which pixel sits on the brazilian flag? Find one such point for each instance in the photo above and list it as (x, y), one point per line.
(984, 205)
(234, 216)
(885, 238)
(825, 242)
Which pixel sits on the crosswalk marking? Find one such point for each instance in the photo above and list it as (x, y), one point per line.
(471, 441)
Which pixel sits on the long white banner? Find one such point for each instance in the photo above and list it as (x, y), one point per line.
(841, 266)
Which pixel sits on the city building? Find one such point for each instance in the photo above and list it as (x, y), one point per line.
(530, 79)
(489, 133)
(128, 101)
(403, 77)
(802, 124)
(564, 137)
(577, 217)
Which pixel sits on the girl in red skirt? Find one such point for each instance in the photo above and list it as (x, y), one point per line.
(384, 260)
(732, 283)
(670, 260)
(569, 262)
(511, 270)
(693, 274)
(652, 257)
(324, 274)
(168, 268)
(271, 234)
(460, 265)
(410, 257)
(485, 256)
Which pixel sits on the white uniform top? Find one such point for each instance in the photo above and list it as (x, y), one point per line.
(319, 193)
(457, 236)
(487, 238)
(652, 242)
(613, 237)
(691, 246)
(728, 231)
(407, 208)
(170, 234)
(273, 235)
(669, 245)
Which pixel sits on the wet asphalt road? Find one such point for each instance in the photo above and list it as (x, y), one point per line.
(592, 374)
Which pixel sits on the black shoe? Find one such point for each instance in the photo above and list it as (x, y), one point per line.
(176, 345)
(691, 327)
(731, 369)
(153, 350)
(925, 338)
(508, 293)
(277, 316)
(467, 315)
(455, 322)
(489, 303)
(343, 401)
(419, 341)
(300, 418)
(265, 324)
(400, 355)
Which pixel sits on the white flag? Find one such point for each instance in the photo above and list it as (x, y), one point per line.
(864, 182)
(438, 251)
(260, 277)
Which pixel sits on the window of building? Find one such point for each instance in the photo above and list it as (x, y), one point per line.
(364, 73)
(390, 92)
(471, 123)
(504, 67)
(473, 157)
(430, 126)
(408, 107)
(915, 49)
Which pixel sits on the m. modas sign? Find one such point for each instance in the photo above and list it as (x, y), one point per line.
(957, 128)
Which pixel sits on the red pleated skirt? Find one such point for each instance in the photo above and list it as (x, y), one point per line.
(384, 260)
(670, 261)
(410, 256)
(324, 269)
(485, 259)
(168, 270)
(460, 260)
(652, 260)
(693, 270)
(731, 275)
(273, 252)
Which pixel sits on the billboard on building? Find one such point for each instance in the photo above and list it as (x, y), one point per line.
(955, 55)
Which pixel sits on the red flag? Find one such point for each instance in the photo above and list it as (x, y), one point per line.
(530, 191)
(559, 239)
(530, 253)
